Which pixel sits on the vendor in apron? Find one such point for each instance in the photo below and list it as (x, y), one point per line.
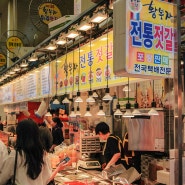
(111, 151)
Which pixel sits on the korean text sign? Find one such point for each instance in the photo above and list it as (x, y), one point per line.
(151, 38)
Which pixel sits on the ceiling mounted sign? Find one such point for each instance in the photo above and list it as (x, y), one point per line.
(48, 12)
(145, 43)
(2, 60)
(13, 42)
(43, 12)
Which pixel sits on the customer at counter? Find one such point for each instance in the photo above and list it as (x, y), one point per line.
(111, 151)
(33, 165)
(57, 132)
(3, 152)
(46, 137)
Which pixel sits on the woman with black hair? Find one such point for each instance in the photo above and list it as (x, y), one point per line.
(46, 137)
(57, 132)
(33, 165)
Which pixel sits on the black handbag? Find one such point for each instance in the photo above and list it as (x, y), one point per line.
(12, 180)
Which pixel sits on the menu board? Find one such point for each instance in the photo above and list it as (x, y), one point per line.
(45, 80)
(19, 87)
(38, 76)
(31, 91)
(8, 93)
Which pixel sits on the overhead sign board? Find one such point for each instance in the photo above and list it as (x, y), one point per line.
(48, 12)
(2, 60)
(144, 38)
(90, 68)
(13, 42)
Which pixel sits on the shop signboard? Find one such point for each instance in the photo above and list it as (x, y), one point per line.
(93, 66)
(39, 83)
(48, 12)
(144, 38)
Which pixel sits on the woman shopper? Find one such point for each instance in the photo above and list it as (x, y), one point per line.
(46, 137)
(3, 152)
(57, 132)
(33, 165)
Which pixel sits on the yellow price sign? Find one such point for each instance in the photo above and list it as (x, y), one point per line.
(13, 42)
(2, 60)
(48, 12)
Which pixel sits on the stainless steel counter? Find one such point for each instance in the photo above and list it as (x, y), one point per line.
(72, 176)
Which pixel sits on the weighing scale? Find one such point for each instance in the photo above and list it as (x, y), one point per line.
(88, 164)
